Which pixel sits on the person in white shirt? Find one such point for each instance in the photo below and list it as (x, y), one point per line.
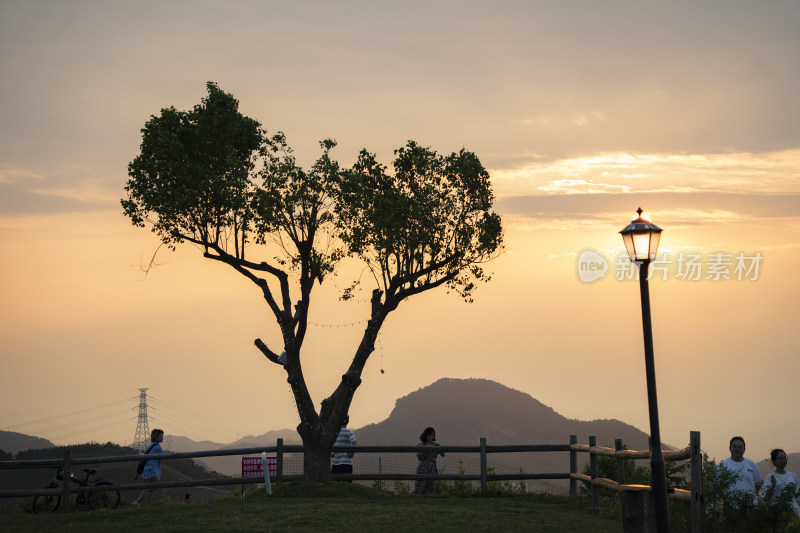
(343, 462)
(748, 478)
(781, 480)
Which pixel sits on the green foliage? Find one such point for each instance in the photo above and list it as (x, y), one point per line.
(192, 178)
(89, 449)
(462, 487)
(401, 488)
(427, 223)
(457, 487)
(504, 487)
(727, 510)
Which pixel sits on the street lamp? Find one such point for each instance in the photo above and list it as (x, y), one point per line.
(641, 241)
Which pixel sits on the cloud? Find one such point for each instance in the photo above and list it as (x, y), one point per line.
(20, 195)
(16, 175)
(675, 210)
(573, 186)
(89, 191)
(680, 205)
(747, 173)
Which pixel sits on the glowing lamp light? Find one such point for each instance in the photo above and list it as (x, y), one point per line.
(641, 239)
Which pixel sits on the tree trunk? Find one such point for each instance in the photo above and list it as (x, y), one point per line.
(316, 462)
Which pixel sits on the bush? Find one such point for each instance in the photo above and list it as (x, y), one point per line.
(733, 511)
(725, 510)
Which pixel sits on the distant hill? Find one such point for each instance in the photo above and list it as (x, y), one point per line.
(16, 442)
(464, 410)
(765, 466)
(230, 465)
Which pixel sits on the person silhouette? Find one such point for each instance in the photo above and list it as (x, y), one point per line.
(343, 461)
(781, 480)
(748, 478)
(427, 462)
(152, 468)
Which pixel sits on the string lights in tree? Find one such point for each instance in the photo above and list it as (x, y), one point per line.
(351, 324)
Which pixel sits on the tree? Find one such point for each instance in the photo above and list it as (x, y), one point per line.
(214, 178)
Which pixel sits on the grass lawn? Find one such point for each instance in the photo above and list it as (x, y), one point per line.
(333, 507)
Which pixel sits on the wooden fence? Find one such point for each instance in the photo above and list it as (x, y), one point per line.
(692, 452)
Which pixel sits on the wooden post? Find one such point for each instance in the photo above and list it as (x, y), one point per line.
(279, 462)
(65, 485)
(573, 466)
(484, 485)
(696, 457)
(638, 512)
(593, 471)
(620, 463)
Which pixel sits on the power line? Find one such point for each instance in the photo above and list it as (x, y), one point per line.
(197, 420)
(64, 415)
(178, 424)
(103, 425)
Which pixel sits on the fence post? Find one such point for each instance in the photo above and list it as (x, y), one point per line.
(593, 471)
(573, 466)
(620, 463)
(279, 462)
(697, 480)
(65, 485)
(484, 485)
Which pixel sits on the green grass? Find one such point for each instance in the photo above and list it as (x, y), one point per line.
(300, 507)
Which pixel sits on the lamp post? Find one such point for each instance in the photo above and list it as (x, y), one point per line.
(641, 241)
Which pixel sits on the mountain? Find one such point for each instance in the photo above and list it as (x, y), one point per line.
(17, 442)
(464, 410)
(230, 465)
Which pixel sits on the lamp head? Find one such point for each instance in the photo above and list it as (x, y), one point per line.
(641, 239)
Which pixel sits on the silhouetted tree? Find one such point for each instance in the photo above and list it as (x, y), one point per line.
(214, 178)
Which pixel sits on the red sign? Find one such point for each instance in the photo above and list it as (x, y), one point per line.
(253, 467)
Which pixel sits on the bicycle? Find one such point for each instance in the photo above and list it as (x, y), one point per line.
(99, 499)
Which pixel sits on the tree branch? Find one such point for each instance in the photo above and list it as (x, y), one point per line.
(402, 294)
(269, 354)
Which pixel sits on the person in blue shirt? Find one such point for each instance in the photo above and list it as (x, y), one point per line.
(152, 468)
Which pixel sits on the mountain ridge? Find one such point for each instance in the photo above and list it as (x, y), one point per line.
(462, 411)
(13, 442)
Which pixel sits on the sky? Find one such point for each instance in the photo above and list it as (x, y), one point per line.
(582, 111)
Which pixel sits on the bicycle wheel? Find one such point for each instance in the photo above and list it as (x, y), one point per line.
(46, 504)
(104, 499)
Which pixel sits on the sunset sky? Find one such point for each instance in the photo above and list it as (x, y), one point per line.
(582, 111)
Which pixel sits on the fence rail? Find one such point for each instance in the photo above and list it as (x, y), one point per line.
(692, 453)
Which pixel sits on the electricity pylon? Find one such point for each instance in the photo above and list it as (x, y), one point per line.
(142, 436)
